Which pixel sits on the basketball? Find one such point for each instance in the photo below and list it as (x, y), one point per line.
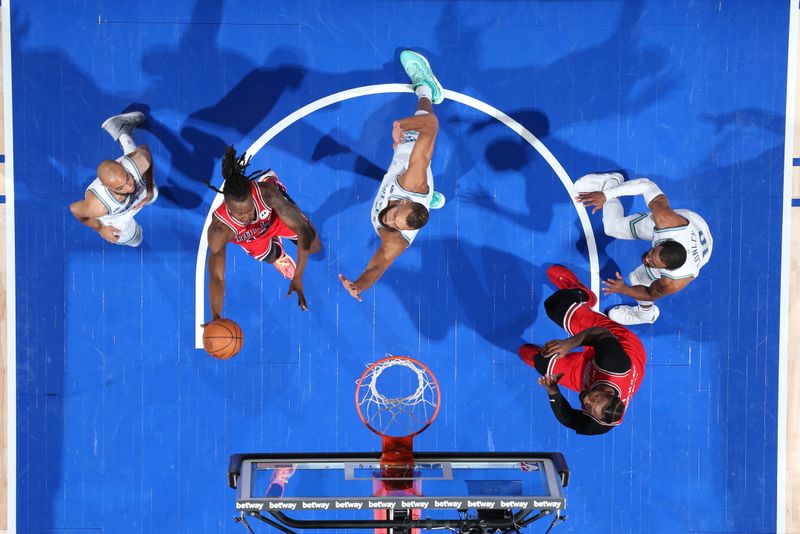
(222, 338)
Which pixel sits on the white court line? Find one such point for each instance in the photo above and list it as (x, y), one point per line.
(200, 270)
(11, 288)
(786, 242)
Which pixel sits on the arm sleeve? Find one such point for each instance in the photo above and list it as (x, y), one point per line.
(574, 419)
(610, 356)
(642, 186)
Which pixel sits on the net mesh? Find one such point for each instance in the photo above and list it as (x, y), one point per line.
(398, 397)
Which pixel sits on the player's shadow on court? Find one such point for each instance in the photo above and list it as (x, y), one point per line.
(344, 157)
(336, 150)
(575, 87)
(238, 109)
(507, 153)
(493, 290)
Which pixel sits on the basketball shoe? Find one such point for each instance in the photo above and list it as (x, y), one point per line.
(285, 265)
(528, 352)
(437, 201)
(419, 70)
(280, 477)
(124, 123)
(563, 278)
(630, 315)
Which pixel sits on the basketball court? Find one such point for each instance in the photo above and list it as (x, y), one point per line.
(118, 421)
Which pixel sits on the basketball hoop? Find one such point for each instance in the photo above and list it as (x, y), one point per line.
(397, 398)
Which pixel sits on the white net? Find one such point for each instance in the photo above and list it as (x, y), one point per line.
(397, 397)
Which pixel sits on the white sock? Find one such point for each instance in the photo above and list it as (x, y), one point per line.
(424, 91)
(127, 144)
(646, 308)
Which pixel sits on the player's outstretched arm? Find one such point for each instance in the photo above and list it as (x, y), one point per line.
(87, 211)
(660, 288)
(218, 237)
(566, 415)
(392, 245)
(308, 241)
(589, 337)
(663, 215)
(416, 176)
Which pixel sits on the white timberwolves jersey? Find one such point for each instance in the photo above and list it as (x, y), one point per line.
(391, 189)
(120, 211)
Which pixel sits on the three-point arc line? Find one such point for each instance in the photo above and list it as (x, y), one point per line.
(266, 137)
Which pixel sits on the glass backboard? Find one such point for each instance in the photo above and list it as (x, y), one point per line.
(519, 483)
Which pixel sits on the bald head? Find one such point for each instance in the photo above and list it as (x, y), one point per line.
(115, 178)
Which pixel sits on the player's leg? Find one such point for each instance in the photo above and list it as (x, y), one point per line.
(569, 307)
(423, 80)
(645, 312)
(143, 153)
(615, 223)
(424, 106)
(130, 233)
(143, 158)
(417, 134)
(316, 244)
(571, 292)
(564, 278)
(279, 228)
(120, 128)
(558, 307)
(277, 483)
(276, 255)
(415, 146)
(313, 247)
(560, 304)
(569, 365)
(531, 354)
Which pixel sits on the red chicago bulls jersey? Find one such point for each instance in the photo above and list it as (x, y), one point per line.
(581, 373)
(626, 383)
(256, 237)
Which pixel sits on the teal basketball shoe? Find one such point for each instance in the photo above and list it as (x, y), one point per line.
(437, 201)
(419, 70)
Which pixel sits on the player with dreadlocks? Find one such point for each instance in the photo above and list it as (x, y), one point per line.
(256, 214)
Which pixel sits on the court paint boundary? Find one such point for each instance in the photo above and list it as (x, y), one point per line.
(11, 277)
(266, 137)
(786, 242)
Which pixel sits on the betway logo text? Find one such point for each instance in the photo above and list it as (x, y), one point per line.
(249, 506)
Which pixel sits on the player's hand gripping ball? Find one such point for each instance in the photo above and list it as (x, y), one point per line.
(222, 338)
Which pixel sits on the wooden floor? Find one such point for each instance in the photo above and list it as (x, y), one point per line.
(792, 507)
(793, 375)
(4, 377)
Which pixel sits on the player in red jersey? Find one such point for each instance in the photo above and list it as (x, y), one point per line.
(256, 214)
(606, 373)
